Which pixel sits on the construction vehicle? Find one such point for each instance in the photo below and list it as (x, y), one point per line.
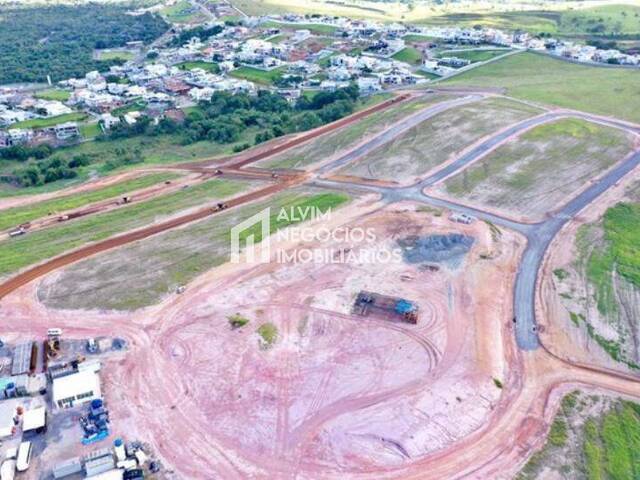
(220, 206)
(367, 302)
(17, 232)
(63, 218)
(124, 200)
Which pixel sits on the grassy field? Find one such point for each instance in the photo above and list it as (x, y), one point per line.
(543, 79)
(416, 12)
(263, 77)
(415, 38)
(474, 55)
(327, 146)
(600, 21)
(53, 94)
(15, 216)
(435, 140)
(182, 12)
(315, 28)
(143, 273)
(616, 253)
(115, 55)
(535, 173)
(51, 121)
(600, 287)
(206, 66)
(17, 253)
(409, 55)
(600, 440)
(90, 130)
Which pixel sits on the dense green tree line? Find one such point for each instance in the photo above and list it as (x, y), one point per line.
(59, 40)
(223, 119)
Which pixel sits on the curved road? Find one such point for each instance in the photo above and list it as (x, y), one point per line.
(539, 235)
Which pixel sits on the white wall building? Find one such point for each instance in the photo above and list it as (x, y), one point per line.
(76, 389)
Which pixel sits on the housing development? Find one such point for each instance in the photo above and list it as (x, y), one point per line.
(262, 240)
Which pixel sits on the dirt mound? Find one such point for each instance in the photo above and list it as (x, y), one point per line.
(448, 249)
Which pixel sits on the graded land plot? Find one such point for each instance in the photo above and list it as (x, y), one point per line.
(538, 171)
(293, 374)
(438, 139)
(541, 78)
(594, 283)
(12, 217)
(331, 145)
(593, 436)
(141, 274)
(17, 253)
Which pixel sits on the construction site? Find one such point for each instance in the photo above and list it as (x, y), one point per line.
(148, 353)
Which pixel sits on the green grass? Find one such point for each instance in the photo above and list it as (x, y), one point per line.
(435, 140)
(17, 253)
(414, 38)
(409, 55)
(561, 273)
(182, 12)
(277, 38)
(547, 80)
(141, 274)
(90, 130)
(533, 175)
(604, 21)
(134, 106)
(53, 94)
(475, 55)
(17, 215)
(558, 432)
(592, 450)
(620, 252)
(593, 438)
(612, 444)
(237, 321)
(51, 121)
(313, 28)
(329, 145)
(269, 333)
(206, 66)
(263, 77)
(115, 55)
(536, 22)
(608, 20)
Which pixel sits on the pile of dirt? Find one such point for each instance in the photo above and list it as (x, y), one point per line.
(447, 249)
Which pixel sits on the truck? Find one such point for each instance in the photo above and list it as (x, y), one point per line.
(16, 232)
(8, 469)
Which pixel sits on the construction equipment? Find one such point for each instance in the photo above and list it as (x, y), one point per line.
(368, 302)
(96, 423)
(17, 232)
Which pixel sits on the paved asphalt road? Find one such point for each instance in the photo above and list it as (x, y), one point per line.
(539, 235)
